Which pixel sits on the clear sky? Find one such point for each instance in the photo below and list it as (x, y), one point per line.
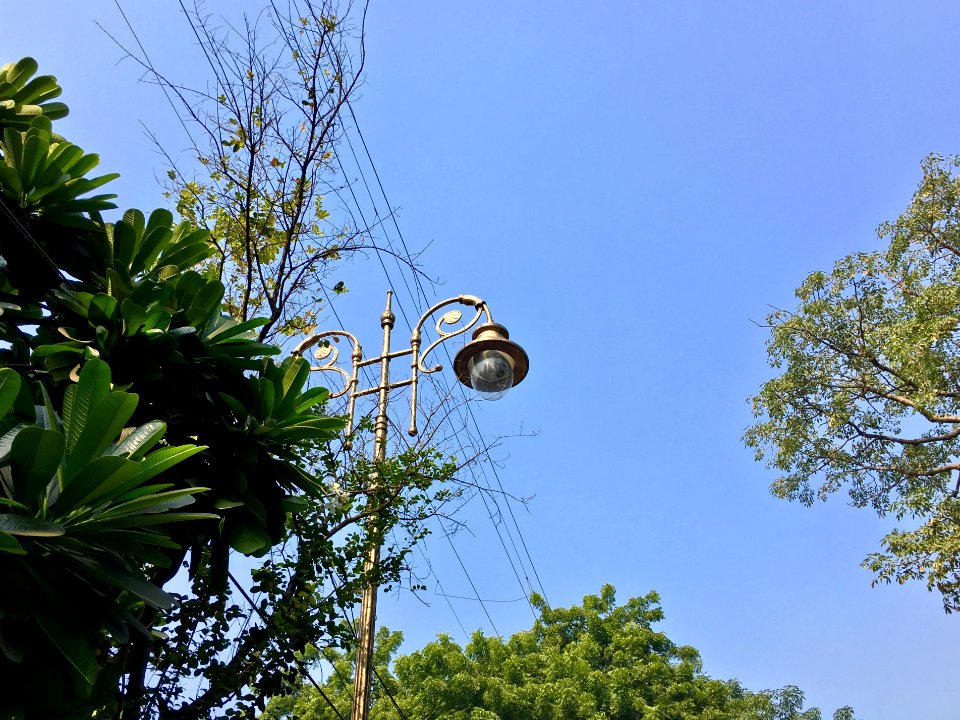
(631, 185)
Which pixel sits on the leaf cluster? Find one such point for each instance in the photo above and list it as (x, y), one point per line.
(266, 163)
(594, 661)
(865, 401)
(125, 394)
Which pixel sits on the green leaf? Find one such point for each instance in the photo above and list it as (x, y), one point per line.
(158, 502)
(43, 86)
(156, 239)
(9, 180)
(28, 526)
(187, 254)
(156, 462)
(134, 316)
(236, 407)
(35, 149)
(146, 537)
(205, 303)
(125, 521)
(125, 241)
(295, 503)
(247, 538)
(244, 349)
(35, 457)
(62, 364)
(9, 389)
(17, 74)
(9, 544)
(266, 399)
(103, 310)
(103, 425)
(6, 440)
(99, 479)
(311, 398)
(227, 503)
(139, 441)
(223, 328)
(71, 645)
(142, 491)
(80, 399)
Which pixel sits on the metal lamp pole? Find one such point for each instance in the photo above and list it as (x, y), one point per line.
(491, 364)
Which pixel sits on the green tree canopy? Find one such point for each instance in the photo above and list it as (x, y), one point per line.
(594, 661)
(865, 401)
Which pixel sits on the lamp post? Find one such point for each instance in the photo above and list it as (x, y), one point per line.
(490, 363)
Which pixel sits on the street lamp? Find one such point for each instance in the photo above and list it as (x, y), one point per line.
(490, 363)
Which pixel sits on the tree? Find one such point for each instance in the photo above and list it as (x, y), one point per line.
(113, 345)
(256, 239)
(866, 398)
(593, 661)
(264, 142)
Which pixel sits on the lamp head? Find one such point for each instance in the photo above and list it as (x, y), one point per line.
(491, 363)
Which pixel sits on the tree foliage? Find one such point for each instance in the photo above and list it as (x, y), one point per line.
(124, 395)
(264, 141)
(866, 397)
(595, 661)
(145, 296)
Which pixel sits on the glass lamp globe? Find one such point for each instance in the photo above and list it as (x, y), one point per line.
(491, 374)
(491, 363)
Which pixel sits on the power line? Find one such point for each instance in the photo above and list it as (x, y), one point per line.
(444, 595)
(353, 629)
(300, 664)
(470, 412)
(415, 298)
(409, 326)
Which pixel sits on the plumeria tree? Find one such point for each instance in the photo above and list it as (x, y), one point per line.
(128, 391)
(126, 395)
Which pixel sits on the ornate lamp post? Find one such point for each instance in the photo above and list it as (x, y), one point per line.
(490, 363)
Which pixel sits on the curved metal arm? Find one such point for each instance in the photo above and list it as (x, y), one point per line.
(451, 317)
(331, 354)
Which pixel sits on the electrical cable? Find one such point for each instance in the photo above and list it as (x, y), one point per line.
(423, 292)
(300, 664)
(410, 327)
(420, 546)
(22, 229)
(164, 85)
(446, 350)
(410, 264)
(399, 304)
(383, 684)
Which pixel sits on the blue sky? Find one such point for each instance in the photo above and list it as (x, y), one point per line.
(631, 186)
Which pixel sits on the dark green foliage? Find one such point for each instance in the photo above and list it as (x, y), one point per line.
(79, 502)
(123, 349)
(122, 323)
